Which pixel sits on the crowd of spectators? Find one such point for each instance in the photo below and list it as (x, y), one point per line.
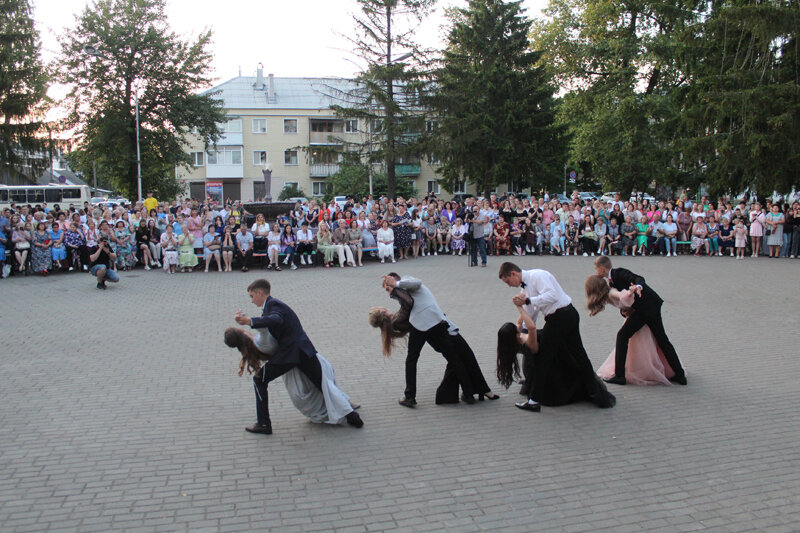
(181, 236)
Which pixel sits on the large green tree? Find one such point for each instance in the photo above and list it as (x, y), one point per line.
(137, 54)
(23, 88)
(741, 112)
(618, 63)
(385, 96)
(494, 106)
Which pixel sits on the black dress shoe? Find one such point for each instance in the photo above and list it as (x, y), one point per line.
(468, 398)
(680, 380)
(354, 420)
(265, 429)
(616, 380)
(528, 406)
(101, 285)
(408, 402)
(488, 395)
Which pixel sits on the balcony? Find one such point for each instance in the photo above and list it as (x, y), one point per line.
(323, 170)
(224, 171)
(325, 137)
(230, 139)
(407, 170)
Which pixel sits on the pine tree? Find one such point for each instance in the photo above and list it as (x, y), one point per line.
(494, 105)
(23, 88)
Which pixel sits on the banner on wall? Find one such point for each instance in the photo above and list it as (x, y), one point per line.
(214, 191)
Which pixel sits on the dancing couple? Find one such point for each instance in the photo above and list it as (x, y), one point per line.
(643, 354)
(282, 348)
(555, 365)
(421, 319)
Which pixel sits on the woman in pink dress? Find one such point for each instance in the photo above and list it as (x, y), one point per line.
(757, 219)
(645, 364)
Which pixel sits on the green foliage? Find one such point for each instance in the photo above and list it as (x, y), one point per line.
(292, 191)
(137, 54)
(353, 180)
(23, 88)
(495, 107)
(384, 97)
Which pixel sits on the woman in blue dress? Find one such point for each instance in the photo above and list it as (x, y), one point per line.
(58, 250)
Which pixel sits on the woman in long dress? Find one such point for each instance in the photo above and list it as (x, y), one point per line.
(646, 364)
(396, 325)
(329, 405)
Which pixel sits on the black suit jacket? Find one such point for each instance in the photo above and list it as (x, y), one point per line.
(293, 343)
(648, 302)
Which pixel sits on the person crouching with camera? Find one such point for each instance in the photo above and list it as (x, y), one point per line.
(101, 261)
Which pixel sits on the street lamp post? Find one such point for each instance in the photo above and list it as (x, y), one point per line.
(90, 50)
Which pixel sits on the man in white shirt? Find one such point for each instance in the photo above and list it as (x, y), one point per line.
(560, 337)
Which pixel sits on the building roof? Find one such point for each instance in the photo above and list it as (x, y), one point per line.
(289, 93)
(63, 176)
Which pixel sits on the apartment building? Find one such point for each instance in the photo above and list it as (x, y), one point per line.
(285, 124)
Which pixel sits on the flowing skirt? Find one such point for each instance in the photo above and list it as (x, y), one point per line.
(329, 406)
(645, 364)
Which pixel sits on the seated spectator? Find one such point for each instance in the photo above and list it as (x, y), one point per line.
(341, 241)
(726, 241)
(187, 259)
(244, 246)
(588, 237)
(628, 232)
(57, 249)
(517, 239)
(641, 236)
(557, 239)
(169, 248)
(684, 222)
(143, 243)
(613, 242)
(713, 234)
(305, 243)
(502, 239)
(228, 248)
(670, 232)
(274, 247)
(211, 247)
(288, 246)
(457, 237)
(154, 242)
(325, 243)
(386, 242)
(429, 236)
(21, 239)
(443, 235)
(571, 236)
(699, 236)
(75, 245)
(41, 256)
(601, 232)
(355, 236)
(121, 244)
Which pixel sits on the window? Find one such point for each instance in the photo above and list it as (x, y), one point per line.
(431, 125)
(351, 125)
(259, 158)
(290, 125)
(19, 195)
(318, 188)
(233, 125)
(198, 159)
(52, 194)
(72, 193)
(291, 185)
(290, 157)
(377, 126)
(36, 196)
(224, 157)
(433, 186)
(259, 125)
(325, 157)
(460, 187)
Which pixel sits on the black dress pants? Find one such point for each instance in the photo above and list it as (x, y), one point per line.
(633, 324)
(440, 340)
(308, 365)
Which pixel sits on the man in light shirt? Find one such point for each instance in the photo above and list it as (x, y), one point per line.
(560, 336)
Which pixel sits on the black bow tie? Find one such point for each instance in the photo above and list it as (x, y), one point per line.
(522, 284)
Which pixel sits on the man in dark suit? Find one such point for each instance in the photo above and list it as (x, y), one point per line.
(646, 310)
(294, 350)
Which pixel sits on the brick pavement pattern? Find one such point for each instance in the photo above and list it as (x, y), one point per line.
(122, 410)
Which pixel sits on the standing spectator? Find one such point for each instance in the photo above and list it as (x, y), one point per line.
(169, 247)
(401, 224)
(795, 216)
(757, 219)
(740, 234)
(244, 246)
(355, 235)
(774, 223)
(684, 223)
(150, 202)
(42, 258)
(477, 220)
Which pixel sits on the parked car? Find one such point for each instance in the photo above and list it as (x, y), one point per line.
(295, 199)
(609, 196)
(638, 197)
(562, 198)
(587, 196)
(460, 197)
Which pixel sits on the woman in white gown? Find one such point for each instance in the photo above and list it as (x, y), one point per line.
(645, 364)
(329, 406)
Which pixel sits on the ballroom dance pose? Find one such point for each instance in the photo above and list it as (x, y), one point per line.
(646, 310)
(329, 405)
(294, 350)
(562, 367)
(421, 318)
(646, 364)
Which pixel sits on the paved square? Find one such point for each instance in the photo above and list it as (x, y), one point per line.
(122, 410)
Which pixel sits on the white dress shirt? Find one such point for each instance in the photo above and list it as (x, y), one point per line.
(545, 294)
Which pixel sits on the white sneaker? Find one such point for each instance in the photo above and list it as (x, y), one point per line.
(791, 257)
(293, 267)
(394, 260)
(592, 254)
(719, 254)
(585, 254)
(147, 267)
(71, 269)
(382, 260)
(435, 253)
(286, 261)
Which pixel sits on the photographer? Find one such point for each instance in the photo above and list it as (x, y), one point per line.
(101, 263)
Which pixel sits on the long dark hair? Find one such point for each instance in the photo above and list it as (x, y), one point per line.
(507, 349)
(251, 356)
(380, 318)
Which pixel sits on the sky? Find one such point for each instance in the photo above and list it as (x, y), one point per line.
(289, 37)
